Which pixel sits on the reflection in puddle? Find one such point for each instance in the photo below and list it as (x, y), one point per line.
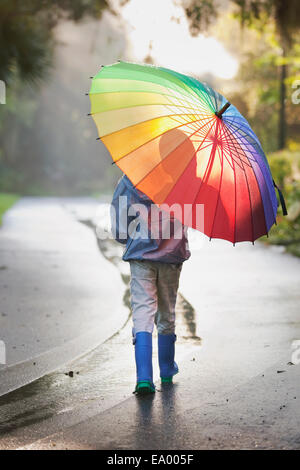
(13, 412)
(186, 313)
(96, 375)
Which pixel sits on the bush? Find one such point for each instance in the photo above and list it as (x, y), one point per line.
(285, 170)
(281, 167)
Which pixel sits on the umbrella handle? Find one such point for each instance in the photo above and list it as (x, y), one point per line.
(281, 198)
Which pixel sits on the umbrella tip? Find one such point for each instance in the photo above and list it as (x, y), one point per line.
(98, 138)
(89, 114)
(92, 77)
(222, 110)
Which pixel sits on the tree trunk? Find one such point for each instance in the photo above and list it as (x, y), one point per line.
(282, 99)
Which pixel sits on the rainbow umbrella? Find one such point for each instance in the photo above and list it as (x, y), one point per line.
(184, 146)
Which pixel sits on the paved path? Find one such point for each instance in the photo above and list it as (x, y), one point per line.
(237, 389)
(58, 293)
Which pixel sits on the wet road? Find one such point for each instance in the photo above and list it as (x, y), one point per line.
(57, 292)
(237, 387)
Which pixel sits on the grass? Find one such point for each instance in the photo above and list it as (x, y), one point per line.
(6, 201)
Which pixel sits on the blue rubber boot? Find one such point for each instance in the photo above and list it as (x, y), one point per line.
(143, 359)
(166, 354)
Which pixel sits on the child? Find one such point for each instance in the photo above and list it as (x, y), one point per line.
(156, 246)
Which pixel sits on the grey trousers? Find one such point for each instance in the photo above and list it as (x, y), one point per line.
(153, 287)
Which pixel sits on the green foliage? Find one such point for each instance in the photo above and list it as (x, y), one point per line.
(281, 167)
(17, 165)
(285, 170)
(26, 55)
(26, 33)
(200, 14)
(250, 13)
(6, 201)
(10, 179)
(256, 87)
(26, 49)
(269, 71)
(258, 13)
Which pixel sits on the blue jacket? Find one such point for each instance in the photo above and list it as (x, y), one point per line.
(138, 227)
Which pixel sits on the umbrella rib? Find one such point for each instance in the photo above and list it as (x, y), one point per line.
(269, 197)
(196, 151)
(229, 144)
(233, 163)
(190, 108)
(169, 95)
(243, 124)
(248, 133)
(249, 194)
(172, 116)
(221, 177)
(194, 88)
(188, 88)
(250, 147)
(234, 156)
(205, 94)
(159, 135)
(155, 166)
(226, 133)
(197, 193)
(177, 88)
(220, 183)
(235, 205)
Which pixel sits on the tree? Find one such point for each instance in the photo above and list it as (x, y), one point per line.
(26, 37)
(285, 14)
(27, 43)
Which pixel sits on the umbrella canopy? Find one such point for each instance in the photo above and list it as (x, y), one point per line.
(183, 145)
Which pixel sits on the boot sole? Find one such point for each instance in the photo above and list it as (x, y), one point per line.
(144, 389)
(168, 380)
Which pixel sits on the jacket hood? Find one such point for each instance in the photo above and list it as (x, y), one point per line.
(131, 187)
